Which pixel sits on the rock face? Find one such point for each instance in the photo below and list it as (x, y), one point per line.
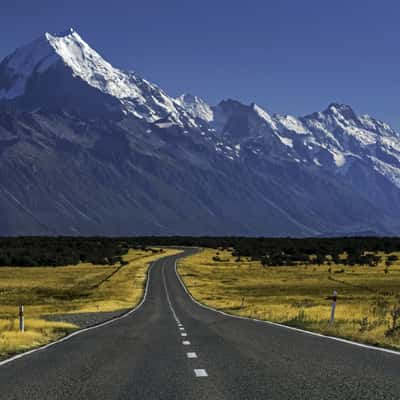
(86, 148)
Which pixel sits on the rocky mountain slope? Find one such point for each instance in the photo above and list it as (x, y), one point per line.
(86, 148)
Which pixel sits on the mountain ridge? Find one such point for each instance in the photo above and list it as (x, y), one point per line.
(86, 148)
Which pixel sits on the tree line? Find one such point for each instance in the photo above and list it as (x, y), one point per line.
(56, 251)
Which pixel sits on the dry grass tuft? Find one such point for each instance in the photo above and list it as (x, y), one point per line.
(37, 332)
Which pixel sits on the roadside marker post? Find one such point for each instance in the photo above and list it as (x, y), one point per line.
(21, 318)
(334, 298)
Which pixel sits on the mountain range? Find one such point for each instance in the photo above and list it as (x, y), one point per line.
(89, 149)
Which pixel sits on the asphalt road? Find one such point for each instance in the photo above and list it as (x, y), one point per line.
(171, 348)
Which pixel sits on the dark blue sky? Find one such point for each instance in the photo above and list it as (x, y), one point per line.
(289, 56)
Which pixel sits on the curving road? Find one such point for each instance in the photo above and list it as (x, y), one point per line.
(171, 348)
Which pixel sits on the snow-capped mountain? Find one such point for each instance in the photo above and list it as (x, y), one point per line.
(86, 148)
(196, 107)
(36, 61)
(334, 138)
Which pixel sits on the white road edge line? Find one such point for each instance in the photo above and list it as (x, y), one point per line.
(200, 373)
(90, 328)
(336, 339)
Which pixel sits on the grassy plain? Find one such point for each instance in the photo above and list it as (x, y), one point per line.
(62, 290)
(299, 296)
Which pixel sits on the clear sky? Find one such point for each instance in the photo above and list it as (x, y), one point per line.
(292, 56)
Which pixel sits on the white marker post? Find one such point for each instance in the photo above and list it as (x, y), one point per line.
(334, 298)
(21, 318)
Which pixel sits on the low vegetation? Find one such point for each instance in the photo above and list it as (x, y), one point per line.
(368, 305)
(59, 251)
(84, 287)
(55, 251)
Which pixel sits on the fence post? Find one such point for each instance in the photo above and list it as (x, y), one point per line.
(242, 305)
(21, 318)
(334, 298)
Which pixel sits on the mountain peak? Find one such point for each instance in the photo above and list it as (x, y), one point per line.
(188, 97)
(35, 58)
(18, 67)
(343, 109)
(28, 63)
(341, 112)
(65, 33)
(195, 106)
(69, 34)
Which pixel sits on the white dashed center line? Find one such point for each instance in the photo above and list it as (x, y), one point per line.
(168, 298)
(200, 373)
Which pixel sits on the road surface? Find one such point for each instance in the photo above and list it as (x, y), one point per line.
(171, 348)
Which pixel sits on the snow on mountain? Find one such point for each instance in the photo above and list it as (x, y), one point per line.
(137, 95)
(329, 171)
(264, 115)
(377, 126)
(291, 123)
(20, 66)
(346, 136)
(332, 139)
(196, 107)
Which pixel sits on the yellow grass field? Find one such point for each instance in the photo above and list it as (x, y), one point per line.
(298, 296)
(69, 289)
